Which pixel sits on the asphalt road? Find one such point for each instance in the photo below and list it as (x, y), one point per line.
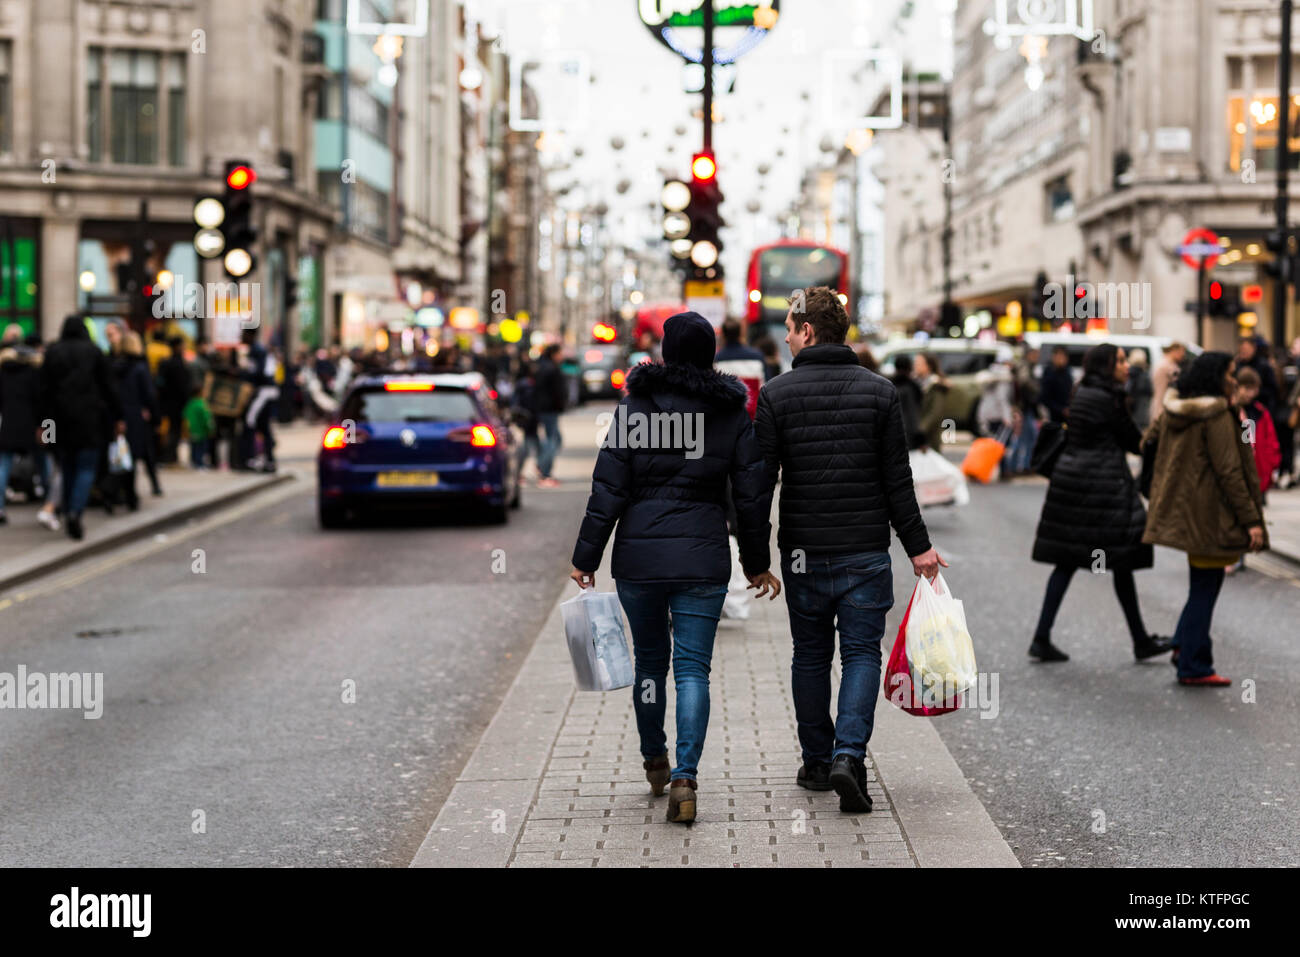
(1101, 761)
(224, 691)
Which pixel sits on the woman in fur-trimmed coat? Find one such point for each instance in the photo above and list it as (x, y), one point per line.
(677, 439)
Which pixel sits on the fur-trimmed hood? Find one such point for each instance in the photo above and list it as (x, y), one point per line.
(1184, 413)
(708, 385)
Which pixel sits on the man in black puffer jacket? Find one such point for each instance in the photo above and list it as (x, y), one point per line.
(674, 442)
(834, 431)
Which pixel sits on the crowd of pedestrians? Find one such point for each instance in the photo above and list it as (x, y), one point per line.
(80, 419)
(836, 435)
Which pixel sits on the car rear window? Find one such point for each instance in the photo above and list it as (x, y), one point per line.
(440, 405)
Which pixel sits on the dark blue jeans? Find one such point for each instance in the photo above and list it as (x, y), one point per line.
(1192, 636)
(78, 467)
(550, 425)
(853, 592)
(695, 610)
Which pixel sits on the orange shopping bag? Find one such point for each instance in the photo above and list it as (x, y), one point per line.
(983, 458)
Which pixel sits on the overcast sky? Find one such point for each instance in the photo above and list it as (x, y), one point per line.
(778, 106)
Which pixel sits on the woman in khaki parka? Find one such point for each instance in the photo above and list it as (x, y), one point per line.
(1205, 500)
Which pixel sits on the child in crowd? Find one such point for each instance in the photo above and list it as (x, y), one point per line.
(201, 425)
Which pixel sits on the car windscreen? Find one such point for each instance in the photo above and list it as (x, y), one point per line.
(439, 405)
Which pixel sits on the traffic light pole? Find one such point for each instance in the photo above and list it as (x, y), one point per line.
(707, 60)
(1280, 296)
(1200, 302)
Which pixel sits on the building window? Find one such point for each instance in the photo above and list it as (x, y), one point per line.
(1060, 200)
(94, 104)
(6, 108)
(176, 111)
(1253, 114)
(133, 106)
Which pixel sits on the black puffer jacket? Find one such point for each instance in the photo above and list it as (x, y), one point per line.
(1093, 501)
(835, 432)
(78, 390)
(669, 502)
(20, 392)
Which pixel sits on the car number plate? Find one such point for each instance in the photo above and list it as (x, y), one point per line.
(407, 479)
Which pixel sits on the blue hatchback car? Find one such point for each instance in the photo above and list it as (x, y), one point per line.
(406, 441)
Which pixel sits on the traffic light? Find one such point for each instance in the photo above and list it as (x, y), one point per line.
(705, 218)
(950, 319)
(1224, 300)
(237, 227)
(1281, 266)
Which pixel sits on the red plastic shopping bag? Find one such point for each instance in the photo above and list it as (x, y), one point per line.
(902, 687)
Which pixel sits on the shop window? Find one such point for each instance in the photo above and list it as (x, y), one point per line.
(1253, 114)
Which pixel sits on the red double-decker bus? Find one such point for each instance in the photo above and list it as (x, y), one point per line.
(777, 270)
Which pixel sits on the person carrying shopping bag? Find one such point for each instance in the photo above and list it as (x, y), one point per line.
(675, 440)
(1205, 501)
(1092, 515)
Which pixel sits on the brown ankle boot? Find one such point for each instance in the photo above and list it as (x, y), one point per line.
(681, 801)
(657, 772)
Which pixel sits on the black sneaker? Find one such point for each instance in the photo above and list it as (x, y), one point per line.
(1153, 646)
(74, 528)
(815, 776)
(1046, 651)
(3, 519)
(848, 777)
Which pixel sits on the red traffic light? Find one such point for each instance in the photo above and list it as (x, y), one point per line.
(1252, 293)
(704, 167)
(1216, 290)
(241, 177)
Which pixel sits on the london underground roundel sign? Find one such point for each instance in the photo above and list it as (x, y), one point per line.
(667, 18)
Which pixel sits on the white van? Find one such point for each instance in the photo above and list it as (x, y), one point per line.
(1078, 343)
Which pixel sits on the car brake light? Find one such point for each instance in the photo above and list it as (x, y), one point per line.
(335, 438)
(617, 378)
(492, 394)
(481, 436)
(408, 386)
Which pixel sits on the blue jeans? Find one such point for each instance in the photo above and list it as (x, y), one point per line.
(199, 452)
(853, 592)
(695, 610)
(550, 422)
(78, 466)
(530, 446)
(42, 466)
(1192, 636)
(1022, 450)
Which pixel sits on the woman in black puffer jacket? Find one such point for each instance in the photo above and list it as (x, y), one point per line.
(1093, 516)
(679, 436)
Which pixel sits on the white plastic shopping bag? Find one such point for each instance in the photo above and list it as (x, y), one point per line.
(938, 646)
(593, 627)
(736, 605)
(119, 456)
(937, 481)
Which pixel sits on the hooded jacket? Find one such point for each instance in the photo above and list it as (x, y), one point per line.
(834, 432)
(675, 440)
(20, 396)
(1092, 500)
(78, 391)
(1204, 491)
